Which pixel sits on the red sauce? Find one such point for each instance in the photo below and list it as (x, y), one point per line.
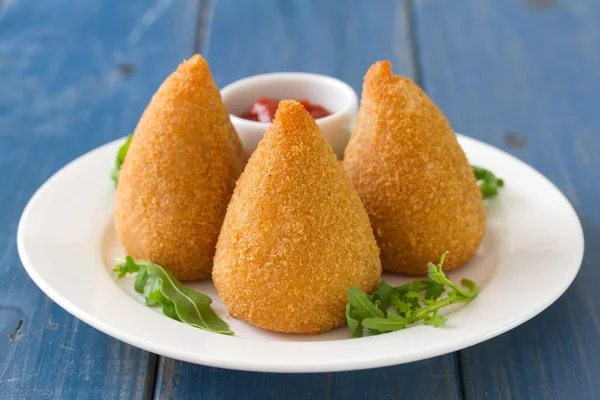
(263, 110)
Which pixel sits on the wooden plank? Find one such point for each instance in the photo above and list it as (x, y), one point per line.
(338, 38)
(433, 379)
(73, 75)
(342, 39)
(523, 76)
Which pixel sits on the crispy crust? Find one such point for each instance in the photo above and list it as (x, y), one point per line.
(412, 176)
(179, 174)
(296, 235)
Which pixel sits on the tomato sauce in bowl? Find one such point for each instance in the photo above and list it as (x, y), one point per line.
(263, 110)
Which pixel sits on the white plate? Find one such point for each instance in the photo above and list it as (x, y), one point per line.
(530, 255)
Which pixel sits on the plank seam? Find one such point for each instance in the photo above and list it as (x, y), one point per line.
(411, 20)
(413, 35)
(461, 386)
(203, 26)
(151, 377)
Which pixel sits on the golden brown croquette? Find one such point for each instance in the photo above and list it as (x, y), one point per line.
(179, 174)
(412, 176)
(296, 235)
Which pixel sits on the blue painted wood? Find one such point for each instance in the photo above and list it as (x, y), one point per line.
(338, 38)
(424, 380)
(520, 74)
(342, 39)
(73, 75)
(523, 75)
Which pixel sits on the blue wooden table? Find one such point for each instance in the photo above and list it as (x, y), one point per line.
(523, 75)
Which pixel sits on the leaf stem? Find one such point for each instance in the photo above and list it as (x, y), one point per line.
(440, 304)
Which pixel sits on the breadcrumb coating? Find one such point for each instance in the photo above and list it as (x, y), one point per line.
(412, 176)
(296, 235)
(179, 174)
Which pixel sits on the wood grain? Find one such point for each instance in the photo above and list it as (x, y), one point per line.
(523, 76)
(519, 74)
(341, 39)
(433, 379)
(74, 75)
(337, 38)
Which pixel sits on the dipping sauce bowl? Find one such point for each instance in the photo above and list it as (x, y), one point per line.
(334, 95)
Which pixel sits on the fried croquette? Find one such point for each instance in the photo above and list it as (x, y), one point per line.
(179, 174)
(412, 176)
(296, 235)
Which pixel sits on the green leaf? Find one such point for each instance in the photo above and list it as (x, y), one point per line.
(193, 308)
(419, 300)
(354, 321)
(471, 287)
(382, 295)
(168, 307)
(434, 291)
(393, 322)
(400, 305)
(436, 321)
(436, 274)
(114, 173)
(364, 307)
(127, 266)
(414, 286)
(412, 295)
(141, 279)
(479, 172)
(488, 183)
(160, 287)
(123, 151)
(152, 292)
(433, 272)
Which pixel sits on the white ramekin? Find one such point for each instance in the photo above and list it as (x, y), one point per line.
(336, 96)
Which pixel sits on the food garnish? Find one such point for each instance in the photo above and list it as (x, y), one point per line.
(160, 288)
(487, 181)
(114, 174)
(390, 309)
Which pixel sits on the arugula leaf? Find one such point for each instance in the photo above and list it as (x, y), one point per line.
(382, 295)
(114, 174)
(436, 275)
(400, 305)
(159, 287)
(152, 287)
(361, 303)
(168, 307)
(127, 267)
(434, 291)
(354, 321)
(141, 279)
(414, 286)
(393, 322)
(419, 300)
(436, 321)
(488, 183)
